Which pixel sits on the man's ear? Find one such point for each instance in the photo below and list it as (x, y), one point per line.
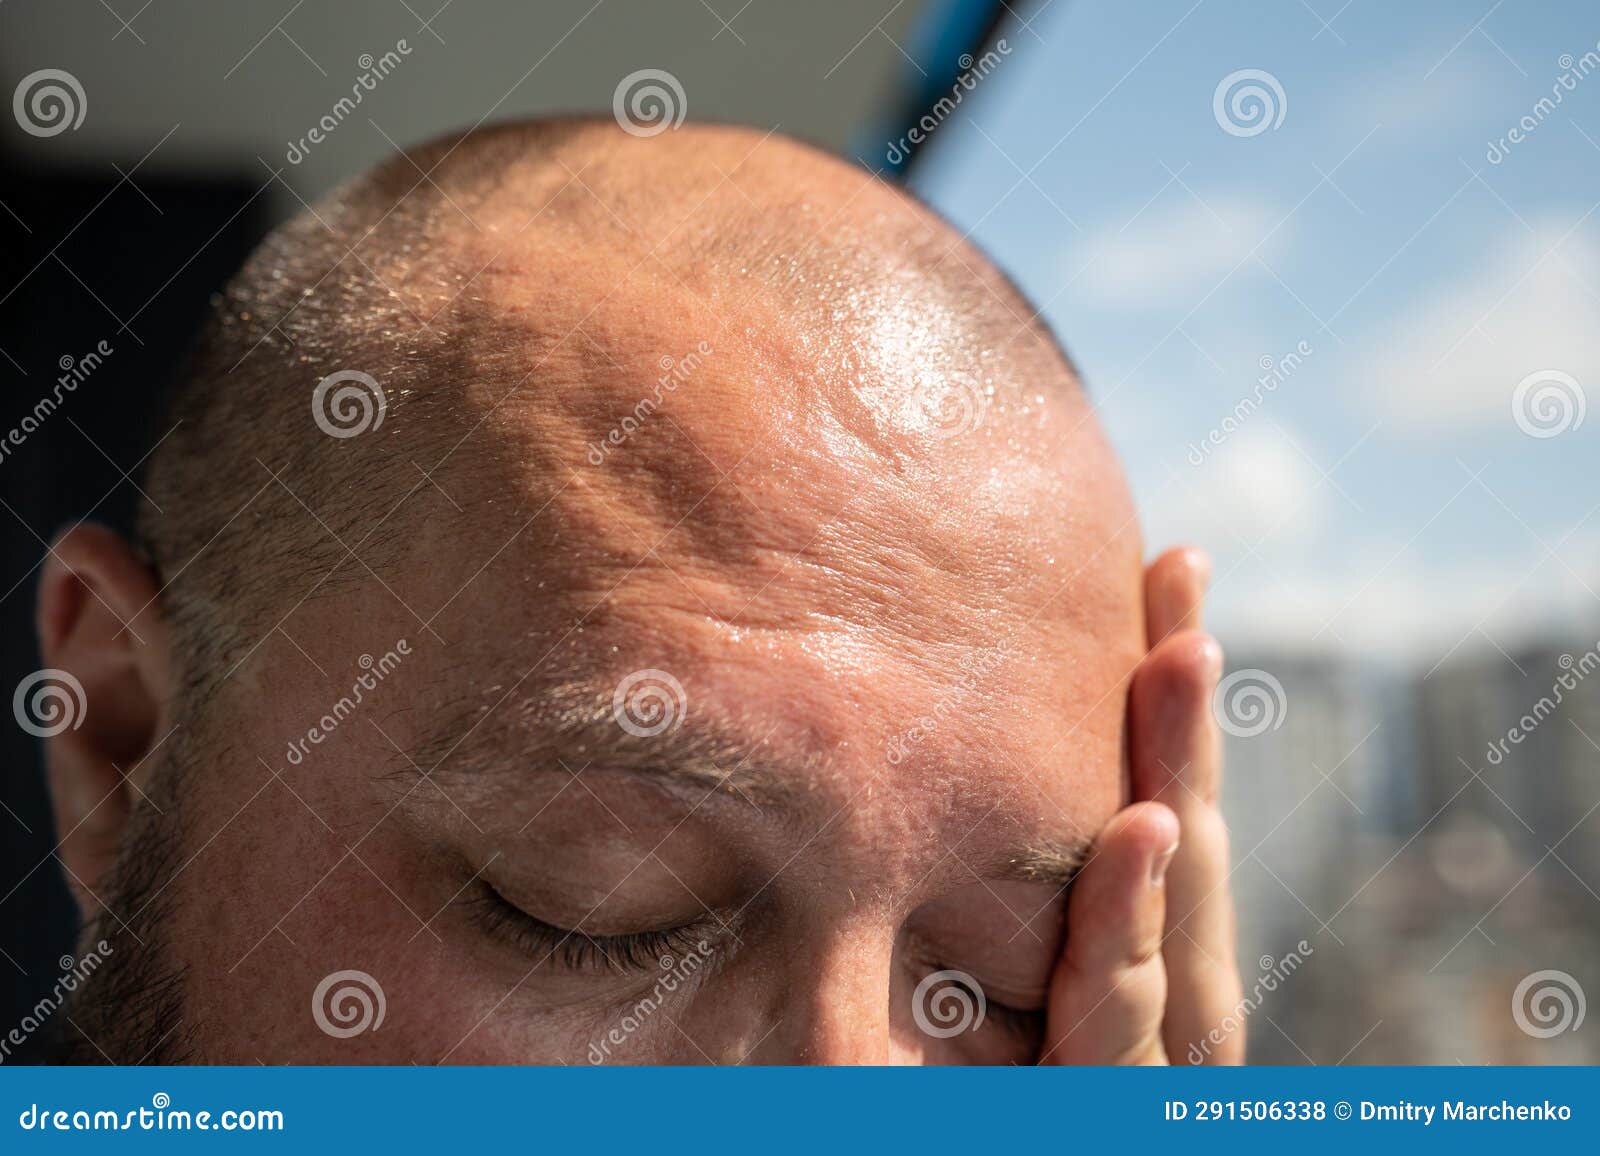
(100, 702)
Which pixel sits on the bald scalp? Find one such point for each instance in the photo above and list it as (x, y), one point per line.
(522, 267)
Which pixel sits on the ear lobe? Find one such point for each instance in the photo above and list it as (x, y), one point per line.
(100, 701)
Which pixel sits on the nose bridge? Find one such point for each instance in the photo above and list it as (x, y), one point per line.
(837, 1008)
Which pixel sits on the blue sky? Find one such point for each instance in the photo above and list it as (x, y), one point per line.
(1382, 499)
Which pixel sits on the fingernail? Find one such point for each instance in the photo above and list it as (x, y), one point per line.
(1159, 865)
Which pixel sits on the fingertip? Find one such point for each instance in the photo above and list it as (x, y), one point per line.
(1192, 562)
(1175, 587)
(1189, 661)
(1154, 826)
(1172, 716)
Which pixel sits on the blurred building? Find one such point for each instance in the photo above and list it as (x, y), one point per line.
(1432, 861)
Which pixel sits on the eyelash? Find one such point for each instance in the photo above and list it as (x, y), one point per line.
(642, 950)
(577, 950)
(1021, 1023)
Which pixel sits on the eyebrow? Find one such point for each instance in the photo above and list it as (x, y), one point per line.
(1056, 864)
(576, 728)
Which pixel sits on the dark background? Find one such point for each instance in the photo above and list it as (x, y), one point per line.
(86, 260)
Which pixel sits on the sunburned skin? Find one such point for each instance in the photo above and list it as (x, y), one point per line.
(873, 554)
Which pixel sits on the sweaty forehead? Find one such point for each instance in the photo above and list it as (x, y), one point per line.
(783, 438)
(749, 386)
(818, 550)
(669, 471)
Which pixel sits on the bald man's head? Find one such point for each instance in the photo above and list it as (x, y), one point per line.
(533, 289)
(621, 548)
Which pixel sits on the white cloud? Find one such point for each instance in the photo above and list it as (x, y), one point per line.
(1291, 578)
(1456, 358)
(1418, 97)
(1254, 488)
(1175, 250)
(1384, 602)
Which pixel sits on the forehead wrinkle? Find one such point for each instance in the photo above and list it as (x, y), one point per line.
(573, 727)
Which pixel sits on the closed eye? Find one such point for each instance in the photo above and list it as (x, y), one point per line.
(572, 949)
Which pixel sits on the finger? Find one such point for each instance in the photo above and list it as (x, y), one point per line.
(1108, 991)
(1177, 760)
(1174, 589)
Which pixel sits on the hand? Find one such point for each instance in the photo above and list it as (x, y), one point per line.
(1148, 971)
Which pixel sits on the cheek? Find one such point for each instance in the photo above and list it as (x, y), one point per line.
(333, 956)
(316, 962)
